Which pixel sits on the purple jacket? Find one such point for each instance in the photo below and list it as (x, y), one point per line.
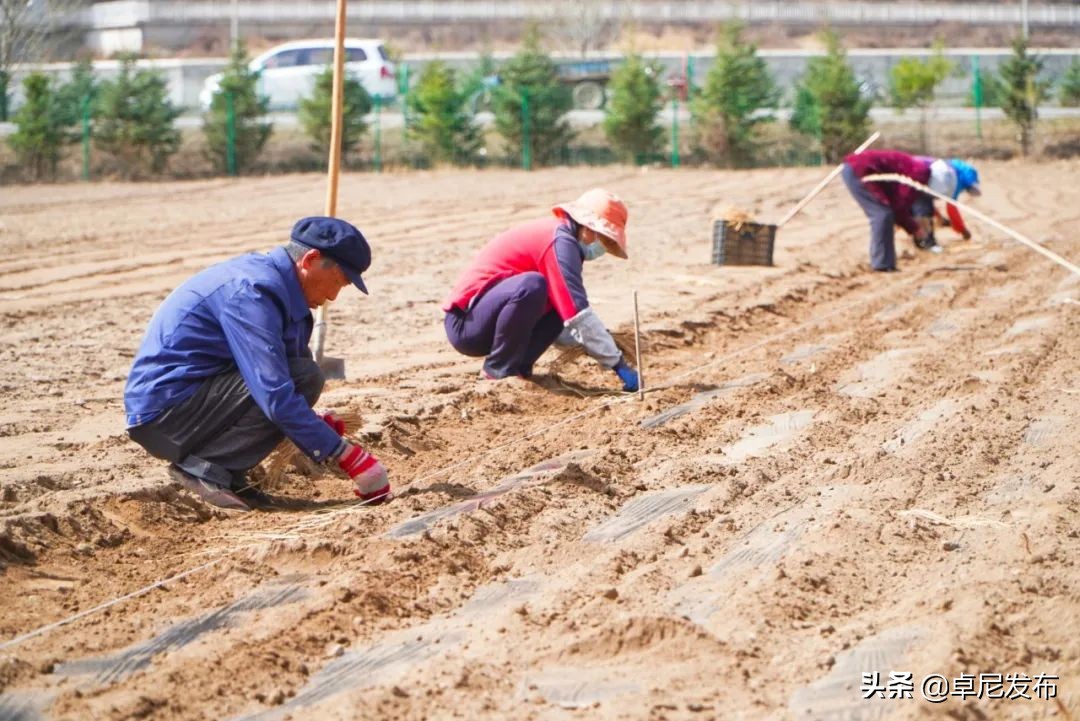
(897, 196)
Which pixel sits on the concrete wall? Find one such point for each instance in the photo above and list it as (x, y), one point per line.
(136, 25)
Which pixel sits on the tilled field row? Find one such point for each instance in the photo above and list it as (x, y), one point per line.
(743, 523)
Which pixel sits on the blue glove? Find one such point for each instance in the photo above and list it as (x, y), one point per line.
(628, 376)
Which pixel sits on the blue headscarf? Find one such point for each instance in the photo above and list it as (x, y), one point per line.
(966, 176)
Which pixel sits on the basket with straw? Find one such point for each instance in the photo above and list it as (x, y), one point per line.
(738, 240)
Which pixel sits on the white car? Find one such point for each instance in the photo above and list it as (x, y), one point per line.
(287, 72)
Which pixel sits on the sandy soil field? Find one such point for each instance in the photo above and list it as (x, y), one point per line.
(837, 472)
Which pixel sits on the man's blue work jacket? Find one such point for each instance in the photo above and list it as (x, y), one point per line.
(247, 314)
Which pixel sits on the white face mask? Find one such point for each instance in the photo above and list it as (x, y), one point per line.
(593, 250)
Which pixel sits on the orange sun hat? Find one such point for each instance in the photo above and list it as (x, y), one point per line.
(602, 211)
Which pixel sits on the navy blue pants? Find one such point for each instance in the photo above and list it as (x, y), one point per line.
(882, 235)
(218, 434)
(509, 324)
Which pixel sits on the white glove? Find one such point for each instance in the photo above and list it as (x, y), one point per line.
(587, 329)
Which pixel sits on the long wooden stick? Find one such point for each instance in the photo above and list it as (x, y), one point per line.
(828, 179)
(637, 350)
(897, 178)
(318, 339)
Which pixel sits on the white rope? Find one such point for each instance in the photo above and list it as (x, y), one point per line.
(897, 178)
(82, 614)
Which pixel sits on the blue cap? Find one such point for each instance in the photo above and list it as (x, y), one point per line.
(337, 240)
(967, 178)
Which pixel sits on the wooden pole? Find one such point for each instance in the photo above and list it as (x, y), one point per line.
(637, 350)
(318, 339)
(828, 179)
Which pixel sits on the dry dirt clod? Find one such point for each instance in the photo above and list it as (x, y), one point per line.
(335, 650)
(695, 571)
(611, 594)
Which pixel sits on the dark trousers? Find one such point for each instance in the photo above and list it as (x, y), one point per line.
(508, 324)
(882, 234)
(219, 433)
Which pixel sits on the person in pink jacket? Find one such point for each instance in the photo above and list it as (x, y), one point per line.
(525, 287)
(889, 203)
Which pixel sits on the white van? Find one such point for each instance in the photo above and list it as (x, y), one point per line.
(287, 72)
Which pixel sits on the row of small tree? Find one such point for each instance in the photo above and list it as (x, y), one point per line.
(529, 106)
(131, 115)
(737, 101)
(131, 118)
(739, 97)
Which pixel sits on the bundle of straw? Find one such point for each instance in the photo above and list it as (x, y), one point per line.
(624, 341)
(737, 217)
(270, 474)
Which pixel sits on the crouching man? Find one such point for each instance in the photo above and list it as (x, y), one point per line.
(224, 371)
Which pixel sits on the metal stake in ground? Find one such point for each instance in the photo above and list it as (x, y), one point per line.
(637, 351)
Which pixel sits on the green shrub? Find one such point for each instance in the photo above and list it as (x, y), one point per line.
(77, 95)
(630, 123)
(1022, 91)
(315, 113)
(738, 92)
(135, 121)
(828, 103)
(531, 76)
(39, 136)
(249, 109)
(913, 83)
(440, 118)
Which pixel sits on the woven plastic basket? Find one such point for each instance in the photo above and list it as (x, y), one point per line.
(750, 244)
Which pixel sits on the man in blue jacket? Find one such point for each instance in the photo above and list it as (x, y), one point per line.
(225, 372)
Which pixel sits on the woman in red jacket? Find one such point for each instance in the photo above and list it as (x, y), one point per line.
(889, 203)
(525, 286)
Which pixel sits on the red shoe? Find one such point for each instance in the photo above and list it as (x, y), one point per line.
(375, 497)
